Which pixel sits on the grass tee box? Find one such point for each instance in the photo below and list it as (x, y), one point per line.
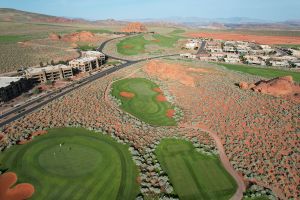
(74, 163)
(194, 176)
(144, 104)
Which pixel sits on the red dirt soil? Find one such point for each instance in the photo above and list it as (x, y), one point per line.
(136, 27)
(281, 86)
(161, 98)
(128, 95)
(18, 192)
(168, 71)
(170, 113)
(250, 38)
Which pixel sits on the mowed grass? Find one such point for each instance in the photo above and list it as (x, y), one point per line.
(88, 165)
(144, 104)
(193, 175)
(137, 44)
(264, 72)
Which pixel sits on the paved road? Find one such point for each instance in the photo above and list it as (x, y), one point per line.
(33, 105)
(202, 48)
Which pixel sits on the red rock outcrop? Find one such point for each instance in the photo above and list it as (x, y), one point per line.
(281, 86)
(168, 71)
(135, 27)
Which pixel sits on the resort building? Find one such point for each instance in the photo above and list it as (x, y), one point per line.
(11, 87)
(49, 73)
(89, 61)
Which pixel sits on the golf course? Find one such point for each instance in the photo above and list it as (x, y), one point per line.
(74, 163)
(137, 44)
(194, 175)
(143, 101)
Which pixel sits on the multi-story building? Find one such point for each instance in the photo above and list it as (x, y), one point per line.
(49, 73)
(89, 61)
(11, 87)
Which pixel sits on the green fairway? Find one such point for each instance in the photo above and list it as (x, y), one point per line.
(194, 176)
(144, 104)
(74, 163)
(264, 72)
(137, 44)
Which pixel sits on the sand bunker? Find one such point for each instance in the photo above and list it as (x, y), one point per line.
(170, 113)
(18, 192)
(161, 98)
(281, 86)
(128, 95)
(250, 38)
(157, 90)
(135, 27)
(167, 71)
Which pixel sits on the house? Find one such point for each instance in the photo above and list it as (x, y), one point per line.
(192, 44)
(231, 49)
(213, 46)
(279, 63)
(232, 58)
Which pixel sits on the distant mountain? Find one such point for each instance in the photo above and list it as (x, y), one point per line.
(13, 15)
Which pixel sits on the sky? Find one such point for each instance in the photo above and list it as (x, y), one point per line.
(272, 10)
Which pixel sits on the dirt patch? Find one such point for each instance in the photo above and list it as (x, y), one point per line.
(250, 38)
(18, 192)
(170, 113)
(167, 71)
(161, 98)
(135, 27)
(128, 95)
(281, 86)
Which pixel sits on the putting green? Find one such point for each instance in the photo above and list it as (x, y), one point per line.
(194, 176)
(144, 104)
(74, 163)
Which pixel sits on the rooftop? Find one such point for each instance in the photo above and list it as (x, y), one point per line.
(84, 59)
(6, 81)
(48, 68)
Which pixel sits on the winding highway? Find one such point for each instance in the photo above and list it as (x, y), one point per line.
(37, 103)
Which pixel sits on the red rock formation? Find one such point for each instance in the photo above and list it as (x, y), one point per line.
(281, 86)
(167, 71)
(135, 27)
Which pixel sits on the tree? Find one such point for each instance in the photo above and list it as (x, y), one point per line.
(36, 91)
(52, 62)
(41, 64)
